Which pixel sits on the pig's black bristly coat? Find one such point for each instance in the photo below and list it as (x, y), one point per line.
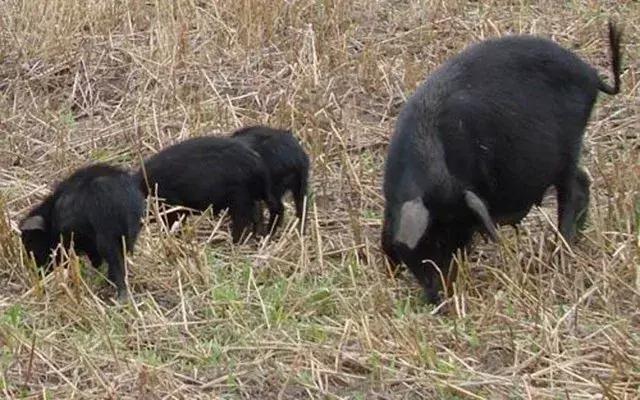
(503, 120)
(95, 208)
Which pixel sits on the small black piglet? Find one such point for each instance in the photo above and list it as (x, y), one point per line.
(215, 172)
(93, 209)
(287, 162)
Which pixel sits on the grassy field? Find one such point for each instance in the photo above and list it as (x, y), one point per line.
(313, 316)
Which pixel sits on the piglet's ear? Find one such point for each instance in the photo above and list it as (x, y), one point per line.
(34, 223)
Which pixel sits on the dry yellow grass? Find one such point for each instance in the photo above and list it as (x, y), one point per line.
(313, 316)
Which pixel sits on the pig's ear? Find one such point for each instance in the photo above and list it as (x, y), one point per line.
(414, 220)
(478, 207)
(33, 223)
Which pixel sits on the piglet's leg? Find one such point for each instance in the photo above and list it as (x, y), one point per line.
(111, 250)
(242, 212)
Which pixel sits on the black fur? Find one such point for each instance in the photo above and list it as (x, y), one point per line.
(211, 171)
(286, 161)
(504, 119)
(95, 208)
